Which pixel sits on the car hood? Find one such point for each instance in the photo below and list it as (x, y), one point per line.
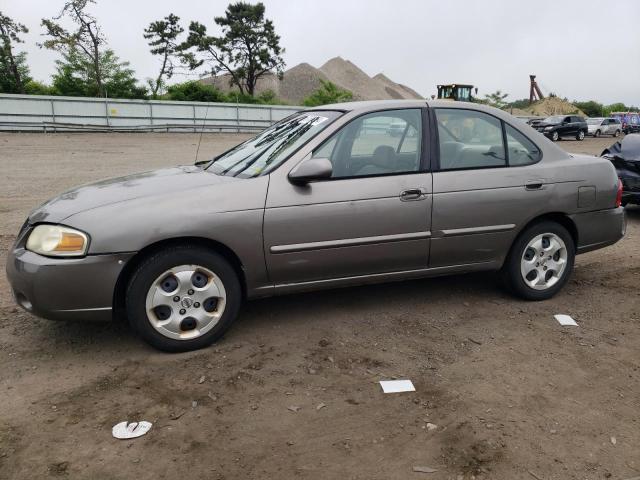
(162, 182)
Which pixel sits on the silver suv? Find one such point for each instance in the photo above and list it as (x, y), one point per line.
(597, 126)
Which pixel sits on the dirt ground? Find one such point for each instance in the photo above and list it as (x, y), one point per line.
(291, 391)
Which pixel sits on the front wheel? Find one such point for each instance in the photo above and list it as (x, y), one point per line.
(540, 261)
(580, 135)
(555, 137)
(183, 298)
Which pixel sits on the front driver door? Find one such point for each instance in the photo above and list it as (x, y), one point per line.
(374, 214)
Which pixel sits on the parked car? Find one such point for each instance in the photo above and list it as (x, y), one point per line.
(625, 156)
(604, 126)
(318, 200)
(556, 127)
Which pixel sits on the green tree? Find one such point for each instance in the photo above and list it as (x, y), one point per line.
(590, 108)
(33, 87)
(163, 40)
(247, 50)
(195, 91)
(14, 72)
(615, 107)
(75, 77)
(86, 42)
(327, 93)
(496, 99)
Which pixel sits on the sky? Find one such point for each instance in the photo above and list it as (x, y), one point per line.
(580, 49)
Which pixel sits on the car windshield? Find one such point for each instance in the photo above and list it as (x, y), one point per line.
(554, 119)
(266, 151)
(594, 121)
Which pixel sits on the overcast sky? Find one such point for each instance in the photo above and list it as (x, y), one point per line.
(587, 49)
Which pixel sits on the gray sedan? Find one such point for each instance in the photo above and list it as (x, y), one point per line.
(329, 197)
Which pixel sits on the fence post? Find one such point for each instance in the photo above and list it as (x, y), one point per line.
(238, 117)
(53, 117)
(151, 115)
(106, 110)
(195, 123)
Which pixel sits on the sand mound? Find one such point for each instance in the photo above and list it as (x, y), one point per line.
(553, 106)
(300, 81)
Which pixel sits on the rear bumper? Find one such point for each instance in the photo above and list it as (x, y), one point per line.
(65, 289)
(599, 229)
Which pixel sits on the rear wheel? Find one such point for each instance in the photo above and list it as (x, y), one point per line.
(580, 135)
(540, 261)
(183, 298)
(597, 133)
(617, 133)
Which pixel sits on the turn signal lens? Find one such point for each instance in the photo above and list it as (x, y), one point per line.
(619, 194)
(56, 240)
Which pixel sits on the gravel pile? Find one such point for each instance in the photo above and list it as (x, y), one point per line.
(300, 81)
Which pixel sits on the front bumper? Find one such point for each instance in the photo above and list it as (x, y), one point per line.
(600, 228)
(65, 288)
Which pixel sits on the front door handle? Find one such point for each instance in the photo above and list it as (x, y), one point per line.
(412, 194)
(534, 185)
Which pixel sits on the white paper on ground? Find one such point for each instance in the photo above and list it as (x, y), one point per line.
(565, 320)
(124, 430)
(396, 386)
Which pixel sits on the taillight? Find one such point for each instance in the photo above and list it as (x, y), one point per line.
(619, 194)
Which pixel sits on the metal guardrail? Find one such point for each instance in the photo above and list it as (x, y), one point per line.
(69, 114)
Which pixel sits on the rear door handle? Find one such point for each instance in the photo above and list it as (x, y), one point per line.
(412, 194)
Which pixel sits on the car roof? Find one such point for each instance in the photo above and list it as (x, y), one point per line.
(373, 105)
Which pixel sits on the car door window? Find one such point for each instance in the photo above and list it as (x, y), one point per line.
(380, 143)
(469, 139)
(522, 151)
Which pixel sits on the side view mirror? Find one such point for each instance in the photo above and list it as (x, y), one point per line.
(312, 169)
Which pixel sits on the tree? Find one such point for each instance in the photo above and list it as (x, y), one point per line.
(497, 99)
(327, 93)
(590, 108)
(87, 42)
(195, 91)
(75, 76)
(14, 73)
(247, 50)
(162, 36)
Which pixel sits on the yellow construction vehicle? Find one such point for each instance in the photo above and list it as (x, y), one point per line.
(456, 91)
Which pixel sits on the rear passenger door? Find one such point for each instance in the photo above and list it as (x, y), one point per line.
(486, 184)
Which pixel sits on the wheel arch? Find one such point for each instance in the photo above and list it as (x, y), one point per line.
(558, 217)
(130, 266)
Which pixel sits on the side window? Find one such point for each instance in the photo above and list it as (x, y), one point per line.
(469, 139)
(522, 151)
(567, 120)
(379, 143)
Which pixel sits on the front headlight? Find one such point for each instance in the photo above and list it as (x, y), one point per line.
(548, 128)
(57, 241)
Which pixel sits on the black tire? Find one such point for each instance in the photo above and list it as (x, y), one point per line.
(596, 134)
(510, 274)
(580, 135)
(153, 266)
(617, 133)
(555, 137)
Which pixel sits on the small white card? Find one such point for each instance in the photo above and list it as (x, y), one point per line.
(397, 386)
(565, 320)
